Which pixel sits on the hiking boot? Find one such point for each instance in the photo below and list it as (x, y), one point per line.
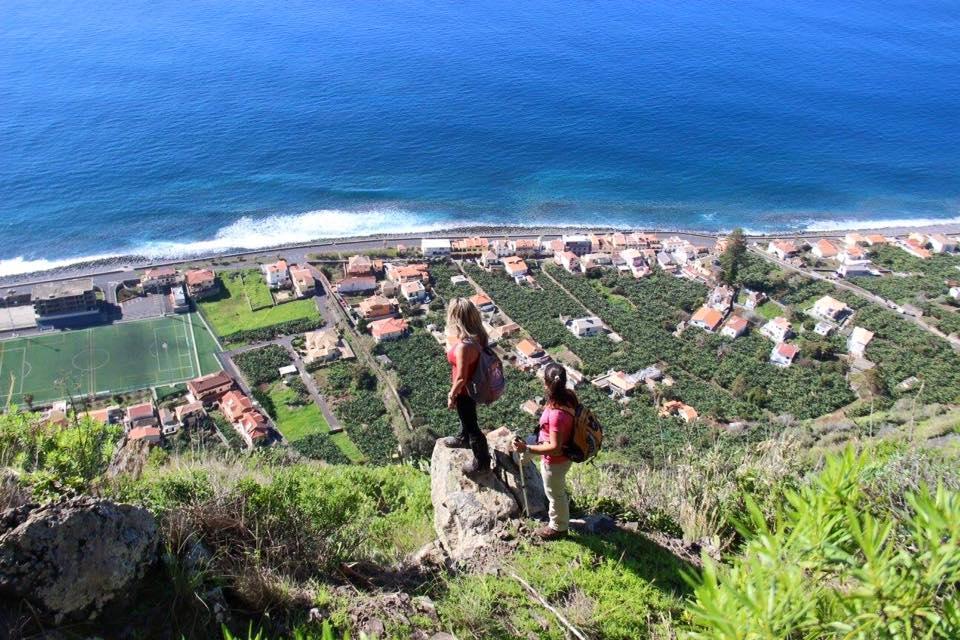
(549, 533)
(475, 468)
(456, 442)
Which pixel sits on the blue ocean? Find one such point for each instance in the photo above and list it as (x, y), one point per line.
(172, 128)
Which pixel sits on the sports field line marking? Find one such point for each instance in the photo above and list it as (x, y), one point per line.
(193, 341)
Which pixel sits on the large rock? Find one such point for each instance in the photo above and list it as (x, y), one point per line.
(470, 515)
(72, 557)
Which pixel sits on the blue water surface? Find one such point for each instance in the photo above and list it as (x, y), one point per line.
(171, 127)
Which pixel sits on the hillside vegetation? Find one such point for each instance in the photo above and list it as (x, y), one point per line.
(745, 537)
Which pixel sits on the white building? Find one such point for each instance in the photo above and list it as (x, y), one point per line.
(277, 274)
(858, 341)
(778, 329)
(435, 247)
(829, 308)
(584, 327)
(783, 354)
(413, 291)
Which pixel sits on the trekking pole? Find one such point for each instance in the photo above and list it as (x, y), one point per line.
(523, 483)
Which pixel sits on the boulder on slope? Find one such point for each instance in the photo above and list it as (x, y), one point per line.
(72, 557)
(471, 514)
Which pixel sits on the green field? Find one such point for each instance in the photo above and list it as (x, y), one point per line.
(245, 304)
(296, 422)
(109, 359)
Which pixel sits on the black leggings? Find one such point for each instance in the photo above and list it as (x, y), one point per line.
(470, 429)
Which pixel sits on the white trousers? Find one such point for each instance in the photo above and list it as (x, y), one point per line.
(555, 486)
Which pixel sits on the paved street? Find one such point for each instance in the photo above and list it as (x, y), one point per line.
(845, 285)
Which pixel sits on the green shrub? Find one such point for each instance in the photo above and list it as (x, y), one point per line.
(837, 564)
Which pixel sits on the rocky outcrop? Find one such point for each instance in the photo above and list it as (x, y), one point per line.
(129, 459)
(72, 557)
(471, 515)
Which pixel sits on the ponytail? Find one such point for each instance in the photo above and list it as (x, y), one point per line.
(555, 377)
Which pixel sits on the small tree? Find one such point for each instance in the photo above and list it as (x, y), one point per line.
(732, 257)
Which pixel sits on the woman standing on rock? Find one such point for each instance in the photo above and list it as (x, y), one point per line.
(465, 339)
(556, 425)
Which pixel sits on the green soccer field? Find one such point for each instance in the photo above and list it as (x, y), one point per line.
(109, 359)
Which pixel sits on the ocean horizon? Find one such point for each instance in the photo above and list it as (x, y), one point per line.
(196, 128)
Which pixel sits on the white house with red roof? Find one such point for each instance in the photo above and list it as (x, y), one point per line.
(778, 329)
(783, 354)
(276, 274)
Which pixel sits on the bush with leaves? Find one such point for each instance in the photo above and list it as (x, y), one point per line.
(836, 564)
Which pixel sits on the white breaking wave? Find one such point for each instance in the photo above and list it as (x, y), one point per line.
(852, 225)
(249, 233)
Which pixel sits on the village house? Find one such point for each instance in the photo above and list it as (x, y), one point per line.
(829, 308)
(190, 415)
(413, 291)
(735, 327)
(955, 293)
(207, 389)
(876, 239)
(721, 298)
(358, 266)
(435, 247)
(497, 332)
(140, 415)
(201, 283)
(568, 260)
(852, 254)
(824, 249)
(858, 341)
(783, 354)
(665, 262)
(168, 421)
(585, 327)
(378, 307)
(753, 299)
(304, 284)
(620, 384)
(915, 248)
(354, 285)
(525, 247)
(531, 354)
(388, 329)
(252, 427)
(325, 345)
(469, 247)
(676, 408)
(853, 238)
(159, 279)
(633, 258)
(502, 247)
(234, 404)
(388, 288)
(483, 302)
(640, 271)
(588, 263)
(779, 329)
(408, 273)
(65, 302)
(577, 244)
(940, 243)
(276, 274)
(783, 249)
(531, 406)
(858, 270)
(707, 319)
(178, 299)
(490, 260)
(515, 267)
(824, 328)
(150, 435)
(106, 415)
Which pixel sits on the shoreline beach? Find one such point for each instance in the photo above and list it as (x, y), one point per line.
(123, 263)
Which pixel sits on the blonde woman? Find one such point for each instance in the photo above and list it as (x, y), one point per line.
(466, 337)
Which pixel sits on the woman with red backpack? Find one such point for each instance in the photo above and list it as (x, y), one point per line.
(466, 340)
(556, 426)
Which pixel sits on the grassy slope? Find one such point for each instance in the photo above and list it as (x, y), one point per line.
(230, 311)
(296, 422)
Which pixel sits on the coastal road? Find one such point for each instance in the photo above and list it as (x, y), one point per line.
(845, 285)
